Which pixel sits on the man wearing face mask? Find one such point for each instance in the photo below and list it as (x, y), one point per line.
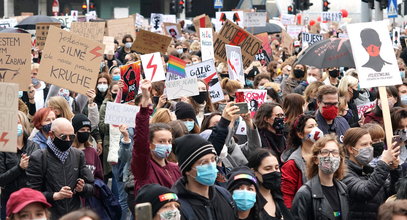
(332, 79)
(37, 95)
(59, 171)
(125, 49)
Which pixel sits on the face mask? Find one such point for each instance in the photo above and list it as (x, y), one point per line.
(314, 135)
(190, 125)
(311, 79)
(329, 165)
(200, 99)
(162, 150)
(403, 99)
(19, 130)
(272, 181)
(206, 174)
(20, 94)
(365, 155)
(299, 73)
(114, 96)
(156, 99)
(46, 128)
(355, 94)
(116, 77)
(224, 75)
(128, 45)
(334, 73)
(278, 124)
(35, 81)
(244, 199)
(403, 135)
(221, 107)
(378, 149)
(62, 145)
(180, 51)
(82, 136)
(102, 87)
(402, 74)
(249, 83)
(170, 215)
(329, 112)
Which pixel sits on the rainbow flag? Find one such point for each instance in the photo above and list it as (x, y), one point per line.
(176, 66)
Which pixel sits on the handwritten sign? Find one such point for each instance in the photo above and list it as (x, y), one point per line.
(309, 39)
(255, 19)
(202, 21)
(66, 21)
(215, 90)
(201, 70)
(365, 108)
(255, 98)
(109, 45)
(234, 61)
(331, 16)
(120, 27)
(153, 67)
(131, 74)
(149, 42)
(90, 30)
(183, 87)
(119, 114)
(173, 30)
(70, 61)
(294, 30)
(8, 117)
(15, 59)
(234, 35)
(138, 20)
(41, 32)
(206, 41)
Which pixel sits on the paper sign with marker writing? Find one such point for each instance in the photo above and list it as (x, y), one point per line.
(41, 33)
(374, 55)
(8, 23)
(118, 114)
(149, 42)
(215, 90)
(294, 30)
(15, 59)
(90, 30)
(120, 27)
(235, 63)
(309, 39)
(201, 70)
(255, 19)
(287, 19)
(255, 98)
(70, 61)
(109, 45)
(184, 87)
(153, 67)
(206, 40)
(8, 117)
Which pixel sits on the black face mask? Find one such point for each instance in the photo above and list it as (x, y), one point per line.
(224, 75)
(62, 145)
(334, 73)
(355, 94)
(46, 128)
(272, 181)
(109, 63)
(82, 136)
(378, 149)
(278, 125)
(231, 98)
(201, 98)
(156, 99)
(299, 73)
(114, 96)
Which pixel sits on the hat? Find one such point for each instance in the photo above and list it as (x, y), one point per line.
(23, 197)
(239, 176)
(79, 121)
(190, 148)
(157, 195)
(253, 72)
(185, 110)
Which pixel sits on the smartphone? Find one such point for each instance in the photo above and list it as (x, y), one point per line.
(397, 138)
(143, 211)
(243, 107)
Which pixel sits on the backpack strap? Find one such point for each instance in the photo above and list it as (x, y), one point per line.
(187, 210)
(225, 194)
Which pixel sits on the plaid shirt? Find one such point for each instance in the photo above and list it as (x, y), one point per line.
(62, 155)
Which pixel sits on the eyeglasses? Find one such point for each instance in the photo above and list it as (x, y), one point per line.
(64, 137)
(330, 103)
(326, 153)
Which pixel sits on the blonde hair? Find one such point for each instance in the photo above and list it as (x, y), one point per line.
(25, 123)
(60, 103)
(195, 46)
(230, 85)
(345, 83)
(162, 115)
(273, 85)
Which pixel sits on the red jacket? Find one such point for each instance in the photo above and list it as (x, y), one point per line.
(144, 168)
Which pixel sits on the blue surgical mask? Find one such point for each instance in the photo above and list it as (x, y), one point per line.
(128, 45)
(162, 150)
(402, 74)
(244, 199)
(249, 83)
(190, 125)
(116, 77)
(403, 99)
(20, 94)
(19, 130)
(206, 174)
(35, 81)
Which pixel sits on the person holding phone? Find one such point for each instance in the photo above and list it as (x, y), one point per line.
(368, 187)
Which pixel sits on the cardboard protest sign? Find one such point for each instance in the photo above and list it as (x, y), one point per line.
(149, 42)
(287, 42)
(8, 117)
(234, 35)
(90, 30)
(206, 40)
(109, 45)
(309, 39)
(181, 88)
(70, 61)
(255, 19)
(236, 16)
(396, 37)
(120, 27)
(235, 63)
(173, 30)
(153, 67)
(294, 30)
(66, 21)
(156, 20)
(41, 32)
(331, 16)
(202, 21)
(255, 98)
(373, 54)
(118, 114)
(287, 19)
(15, 59)
(264, 38)
(8, 23)
(131, 75)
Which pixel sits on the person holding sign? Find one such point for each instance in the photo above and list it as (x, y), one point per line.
(126, 48)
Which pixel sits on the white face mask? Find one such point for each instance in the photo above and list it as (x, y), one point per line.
(102, 87)
(170, 215)
(128, 44)
(180, 51)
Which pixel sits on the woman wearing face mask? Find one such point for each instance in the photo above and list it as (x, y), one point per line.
(376, 115)
(126, 48)
(114, 72)
(13, 165)
(102, 85)
(267, 172)
(304, 133)
(202, 102)
(399, 124)
(403, 92)
(332, 79)
(377, 134)
(60, 106)
(296, 79)
(42, 122)
(348, 88)
(269, 119)
(368, 188)
(186, 113)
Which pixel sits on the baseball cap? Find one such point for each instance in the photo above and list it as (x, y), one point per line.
(23, 197)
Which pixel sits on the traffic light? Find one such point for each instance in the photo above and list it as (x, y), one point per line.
(84, 8)
(92, 6)
(173, 7)
(290, 10)
(306, 4)
(325, 5)
(181, 6)
(189, 6)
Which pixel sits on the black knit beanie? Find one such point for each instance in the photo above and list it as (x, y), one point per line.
(185, 110)
(239, 176)
(157, 195)
(79, 121)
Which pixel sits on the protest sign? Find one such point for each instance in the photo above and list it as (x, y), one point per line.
(396, 37)
(215, 90)
(153, 67)
(201, 21)
(175, 68)
(235, 63)
(109, 45)
(66, 21)
(169, 19)
(120, 27)
(28, 14)
(181, 88)
(131, 74)
(74, 14)
(264, 38)
(173, 30)
(365, 108)
(41, 33)
(15, 59)
(255, 98)
(8, 117)
(201, 70)
(139, 20)
(255, 19)
(90, 16)
(234, 35)
(206, 40)
(70, 61)
(294, 30)
(236, 16)
(331, 16)
(241, 128)
(120, 12)
(262, 57)
(309, 39)
(90, 30)
(287, 19)
(119, 114)
(8, 23)
(156, 20)
(149, 42)
(373, 54)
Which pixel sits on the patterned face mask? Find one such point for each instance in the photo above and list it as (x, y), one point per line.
(328, 164)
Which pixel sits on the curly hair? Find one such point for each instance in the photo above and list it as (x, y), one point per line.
(298, 126)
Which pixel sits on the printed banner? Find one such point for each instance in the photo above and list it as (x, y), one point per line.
(8, 117)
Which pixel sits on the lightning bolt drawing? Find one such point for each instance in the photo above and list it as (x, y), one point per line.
(231, 66)
(3, 138)
(154, 66)
(95, 52)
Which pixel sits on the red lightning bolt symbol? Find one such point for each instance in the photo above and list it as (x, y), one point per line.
(95, 52)
(231, 66)
(149, 65)
(3, 138)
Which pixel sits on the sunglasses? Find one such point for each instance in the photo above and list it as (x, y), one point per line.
(64, 137)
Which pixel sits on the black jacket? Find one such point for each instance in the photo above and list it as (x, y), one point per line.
(369, 189)
(310, 202)
(215, 208)
(48, 174)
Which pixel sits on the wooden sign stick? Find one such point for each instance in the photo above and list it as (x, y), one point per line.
(386, 116)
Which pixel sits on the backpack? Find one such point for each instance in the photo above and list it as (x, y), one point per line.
(104, 202)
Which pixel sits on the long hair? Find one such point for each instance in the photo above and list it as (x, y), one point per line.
(352, 136)
(292, 106)
(162, 115)
(264, 112)
(25, 123)
(294, 141)
(207, 120)
(60, 103)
